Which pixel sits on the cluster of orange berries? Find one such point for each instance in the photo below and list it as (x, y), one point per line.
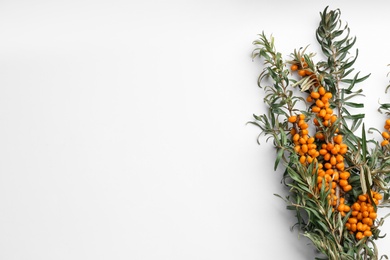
(304, 144)
(386, 134)
(363, 215)
(329, 154)
(302, 68)
(321, 107)
(331, 167)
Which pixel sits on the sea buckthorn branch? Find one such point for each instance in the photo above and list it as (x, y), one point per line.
(335, 181)
(335, 44)
(319, 220)
(279, 98)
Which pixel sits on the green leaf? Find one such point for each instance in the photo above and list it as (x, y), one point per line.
(355, 105)
(278, 157)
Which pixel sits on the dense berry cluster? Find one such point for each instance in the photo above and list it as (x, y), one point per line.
(363, 215)
(328, 152)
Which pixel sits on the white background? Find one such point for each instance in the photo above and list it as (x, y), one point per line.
(123, 126)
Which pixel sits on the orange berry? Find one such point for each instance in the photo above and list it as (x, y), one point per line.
(366, 227)
(352, 220)
(328, 165)
(347, 188)
(294, 67)
(327, 157)
(356, 206)
(328, 95)
(292, 119)
(305, 132)
(329, 111)
(304, 126)
(333, 160)
(359, 226)
(293, 131)
(359, 235)
(343, 150)
(344, 175)
(366, 220)
(302, 73)
(340, 166)
(315, 109)
(312, 152)
(324, 99)
(315, 95)
(322, 113)
(372, 215)
(385, 135)
(321, 90)
(343, 182)
(327, 116)
(367, 233)
(378, 196)
(320, 104)
(335, 150)
(329, 172)
(384, 142)
(338, 139)
(353, 227)
(348, 226)
(302, 159)
(309, 159)
(362, 197)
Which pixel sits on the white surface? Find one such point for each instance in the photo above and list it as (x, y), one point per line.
(122, 126)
